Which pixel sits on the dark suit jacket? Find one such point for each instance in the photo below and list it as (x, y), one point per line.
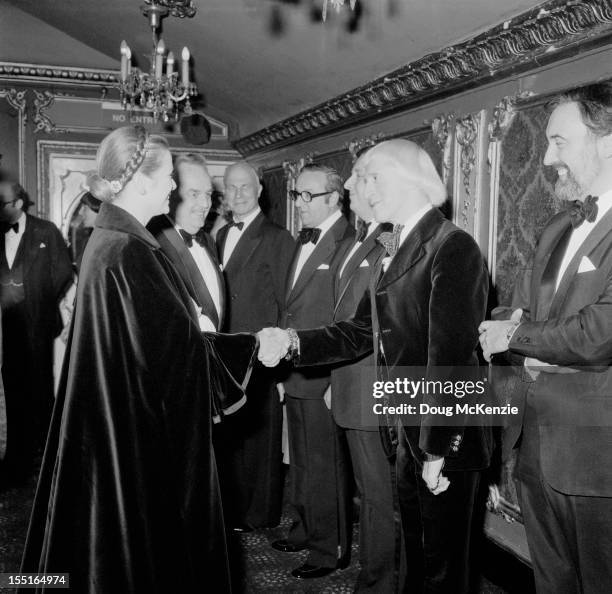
(256, 275)
(172, 244)
(572, 328)
(425, 309)
(310, 302)
(47, 274)
(349, 382)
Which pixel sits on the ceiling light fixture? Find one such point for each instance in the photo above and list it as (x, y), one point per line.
(162, 91)
(337, 4)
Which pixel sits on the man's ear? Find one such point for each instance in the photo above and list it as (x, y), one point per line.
(605, 146)
(334, 199)
(19, 203)
(259, 190)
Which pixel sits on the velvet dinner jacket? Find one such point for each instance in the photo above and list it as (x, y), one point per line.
(424, 311)
(348, 381)
(256, 274)
(310, 302)
(47, 274)
(571, 328)
(174, 247)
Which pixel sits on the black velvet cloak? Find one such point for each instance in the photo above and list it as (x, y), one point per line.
(128, 497)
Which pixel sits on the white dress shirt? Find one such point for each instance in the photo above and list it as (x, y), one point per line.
(357, 245)
(206, 266)
(234, 234)
(306, 249)
(12, 239)
(579, 235)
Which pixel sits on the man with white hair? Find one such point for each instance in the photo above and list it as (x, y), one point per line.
(423, 311)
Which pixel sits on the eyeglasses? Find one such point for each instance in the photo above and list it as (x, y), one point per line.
(305, 195)
(4, 204)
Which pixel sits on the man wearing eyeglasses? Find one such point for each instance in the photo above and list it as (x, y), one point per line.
(35, 272)
(317, 461)
(255, 253)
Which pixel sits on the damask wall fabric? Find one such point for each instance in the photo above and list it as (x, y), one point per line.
(526, 196)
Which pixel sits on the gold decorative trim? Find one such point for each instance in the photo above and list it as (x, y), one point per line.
(43, 100)
(541, 35)
(355, 145)
(17, 100)
(466, 132)
(40, 74)
(442, 129)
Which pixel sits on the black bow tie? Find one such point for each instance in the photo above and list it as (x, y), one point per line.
(362, 230)
(6, 227)
(188, 238)
(581, 211)
(390, 239)
(240, 225)
(309, 234)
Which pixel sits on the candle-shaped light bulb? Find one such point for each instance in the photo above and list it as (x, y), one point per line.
(124, 59)
(185, 71)
(170, 64)
(128, 55)
(160, 50)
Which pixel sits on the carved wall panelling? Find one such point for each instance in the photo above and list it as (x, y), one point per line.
(468, 174)
(42, 102)
(16, 99)
(355, 145)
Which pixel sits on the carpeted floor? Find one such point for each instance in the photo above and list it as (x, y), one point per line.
(259, 568)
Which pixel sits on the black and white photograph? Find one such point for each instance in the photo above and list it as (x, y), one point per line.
(306, 296)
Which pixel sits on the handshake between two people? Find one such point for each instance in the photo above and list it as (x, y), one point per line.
(274, 345)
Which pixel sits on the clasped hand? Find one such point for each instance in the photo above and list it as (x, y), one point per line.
(273, 345)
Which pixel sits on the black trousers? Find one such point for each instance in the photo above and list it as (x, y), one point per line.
(28, 390)
(249, 456)
(380, 534)
(437, 528)
(319, 489)
(569, 536)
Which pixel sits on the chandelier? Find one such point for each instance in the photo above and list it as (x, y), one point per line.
(337, 4)
(163, 90)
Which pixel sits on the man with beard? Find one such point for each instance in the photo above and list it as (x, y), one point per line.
(183, 240)
(564, 335)
(35, 272)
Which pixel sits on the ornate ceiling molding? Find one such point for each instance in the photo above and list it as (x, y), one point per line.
(36, 73)
(537, 36)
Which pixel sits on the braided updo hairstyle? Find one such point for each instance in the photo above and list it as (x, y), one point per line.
(123, 152)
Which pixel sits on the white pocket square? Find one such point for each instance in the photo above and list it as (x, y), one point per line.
(323, 267)
(364, 264)
(42, 245)
(585, 265)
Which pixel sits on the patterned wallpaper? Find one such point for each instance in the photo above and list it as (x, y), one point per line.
(273, 199)
(526, 193)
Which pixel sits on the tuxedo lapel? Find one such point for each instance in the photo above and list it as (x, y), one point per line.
(294, 261)
(221, 238)
(191, 274)
(546, 276)
(210, 249)
(354, 263)
(321, 254)
(246, 246)
(412, 250)
(28, 246)
(602, 230)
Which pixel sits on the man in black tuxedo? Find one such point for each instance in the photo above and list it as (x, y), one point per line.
(379, 526)
(185, 243)
(35, 272)
(318, 492)
(255, 254)
(422, 310)
(560, 340)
